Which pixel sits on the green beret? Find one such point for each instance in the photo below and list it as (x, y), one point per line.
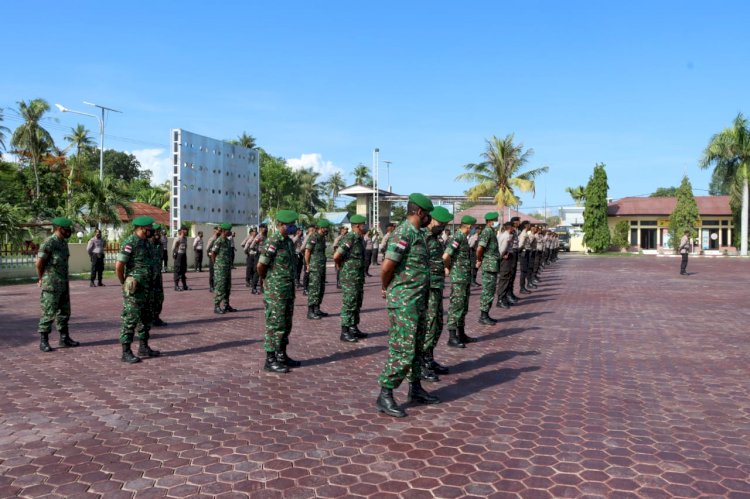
(357, 219)
(491, 216)
(323, 223)
(62, 222)
(442, 215)
(422, 201)
(157, 226)
(287, 216)
(225, 226)
(468, 219)
(143, 221)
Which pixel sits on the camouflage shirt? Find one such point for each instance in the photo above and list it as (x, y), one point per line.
(55, 252)
(491, 257)
(458, 249)
(222, 248)
(278, 253)
(136, 254)
(352, 248)
(408, 248)
(316, 243)
(437, 268)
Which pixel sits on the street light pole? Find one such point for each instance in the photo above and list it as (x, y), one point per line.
(388, 172)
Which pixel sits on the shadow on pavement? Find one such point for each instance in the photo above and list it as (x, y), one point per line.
(488, 359)
(154, 336)
(361, 352)
(209, 348)
(468, 386)
(504, 333)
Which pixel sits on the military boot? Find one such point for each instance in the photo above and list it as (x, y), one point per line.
(532, 285)
(484, 318)
(127, 355)
(419, 395)
(145, 351)
(463, 337)
(44, 343)
(286, 360)
(218, 310)
(426, 371)
(511, 298)
(346, 335)
(501, 303)
(66, 340)
(453, 340)
(387, 405)
(311, 313)
(356, 332)
(439, 369)
(273, 365)
(320, 312)
(229, 308)
(525, 291)
(159, 323)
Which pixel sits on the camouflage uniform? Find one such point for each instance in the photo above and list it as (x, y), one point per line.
(55, 299)
(490, 267)
(458, 306)
(352, 275)
(407, 305)
(436, 248)
(278, 254)
(316, 286)
(137, 255)
(222, 249)
(157, 285)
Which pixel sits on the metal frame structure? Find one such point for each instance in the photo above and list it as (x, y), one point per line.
(375, 213)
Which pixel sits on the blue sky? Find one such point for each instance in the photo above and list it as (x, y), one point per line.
(640, 86)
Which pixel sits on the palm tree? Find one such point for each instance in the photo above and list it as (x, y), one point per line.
(362, 176)
(577, 193)
(98, 200)
(333, 186)
(3, 131)
(244, 140)
(729, 151)
(80, 139)
(499, 174)
(30, 138)
(310, 189)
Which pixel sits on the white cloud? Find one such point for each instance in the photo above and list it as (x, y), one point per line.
(314, 161)
(156, 160)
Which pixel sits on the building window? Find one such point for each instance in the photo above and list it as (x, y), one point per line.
(649, 223)
(634, 222)
(634, 237)
(710, 223)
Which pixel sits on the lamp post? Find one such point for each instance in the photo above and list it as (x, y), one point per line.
(388, 173)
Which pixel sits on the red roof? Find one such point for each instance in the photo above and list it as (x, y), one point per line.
(140, 209)
(707, 206)
(480, 210)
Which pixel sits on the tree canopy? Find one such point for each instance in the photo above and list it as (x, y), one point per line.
(664, 192)
(595, 228)
(685, 214)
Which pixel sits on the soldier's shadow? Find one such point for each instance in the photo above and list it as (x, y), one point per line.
(480, 381)
(489, 359)
(210, 348)
(360, 352)
(504, 333)
(155, 336)
(523, 316)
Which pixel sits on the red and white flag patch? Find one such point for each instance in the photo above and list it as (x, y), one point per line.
(402, 244)
(127, 249)
(455, 244)
(271, 248)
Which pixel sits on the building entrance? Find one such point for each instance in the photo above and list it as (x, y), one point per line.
(648, 239)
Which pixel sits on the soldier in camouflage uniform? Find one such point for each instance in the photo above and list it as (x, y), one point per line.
(457, 260)
(157, 287)
(134, 269)
(209, 245)
(350, 261)
(52, 270)
(221, 256)
(405, 278)
(436, 248)
(315, 269)
(488, 259)
(276, 266)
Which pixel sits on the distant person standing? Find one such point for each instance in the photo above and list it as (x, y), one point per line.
(164, 250)
(250, 257)
(209, 245)
(473, 244)
(221, 255)
(684, 250)
(95, 249)
(386, 238)
(179, 255)
(157, 284)
(342, 232)
(315, 269)
(350, 262)
(198, 251)
(369, 246)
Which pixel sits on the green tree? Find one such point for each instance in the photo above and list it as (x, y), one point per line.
(117, 164)
(500, 172)
(553, 221)
(620, 235)
(333, 185)
(277, 184)
(664, 192)
(398, 213)
(244, 140)
(3, 131)
(362, 175)
(12, 189)
(80, 139)
(595, 229)
(308, 190)
(11, 224)
(97, 200)
(685, 214)
(729, 152)
(578, 194)
(31, 139)
(156, 195)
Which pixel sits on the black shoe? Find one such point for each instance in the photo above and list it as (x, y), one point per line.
(346, 335)
(229, 308)
(67, 341)
(463, 338)
(101, 283)
(525, 291)
(319, 312)
(683, 273)
(285, 360)
(185, 288)
(44, 343)
(453, 340)
(273, 365)
(426, 372)
(254, 291)
(159, 323)
(357, 333)
(419, 395)
(439, 369)
(532, 285)
(311, 313)
(145, 351)
(177, 288)
(92, 285)
(127, 355)
(387, 405)
(218, 310)
(484, 318)
(511, 298)
(502, 304)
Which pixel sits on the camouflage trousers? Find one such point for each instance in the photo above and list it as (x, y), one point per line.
(458, 306)
(316, 285)
(405, 339)
(279, 313)
(136, 308)
(55, 308)
(352, 292)
(489, 287)
(222, 285)
(434, 319)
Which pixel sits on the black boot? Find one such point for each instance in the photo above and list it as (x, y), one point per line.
(285, 360)
(254, 291)
(426, 371)
(419, 395)
(387, 405)
(439, 369)
(229, 308)
(462, 336)
(44, 343)
(145, 351)
(525, 291)
(127, 355)
(273, 365)
(159, 323)
(532, 285)
(511, 298)
(354, 330)
(484, 318)
(92, 285)
(177, 288)
(319, 312)
(218, 310)
(453, 340)
(501, 303)
(311, 313)
(66, 340)
(346, 335)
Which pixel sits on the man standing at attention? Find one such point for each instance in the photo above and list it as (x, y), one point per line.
(315, 269)
(350, 261)
(157, 285)
(684, 250)
(198, 251)
(458, 262)
(221, 255)
(52, 271)
(405, 280)
(488, 260)
(179, 255)
(95, 249)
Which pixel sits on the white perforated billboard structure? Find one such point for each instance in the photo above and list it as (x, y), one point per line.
(213, 181)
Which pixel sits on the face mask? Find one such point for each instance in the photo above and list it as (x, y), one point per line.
(291, 229)
(149, 233)
(425, 220)
(67, 233)
(437, 230)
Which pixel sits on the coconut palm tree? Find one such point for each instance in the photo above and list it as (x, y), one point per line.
(97, 200)
(500, 172)
(577, 193)
(333, 186)
(30, 138)
(3, 131)
(729, 152)
(362, 176)
(310, 190)
(80, 139)
(245, 140)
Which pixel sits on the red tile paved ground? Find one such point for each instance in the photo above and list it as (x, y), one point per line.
(617, 378)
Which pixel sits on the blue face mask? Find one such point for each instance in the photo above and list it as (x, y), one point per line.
(291, 229)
